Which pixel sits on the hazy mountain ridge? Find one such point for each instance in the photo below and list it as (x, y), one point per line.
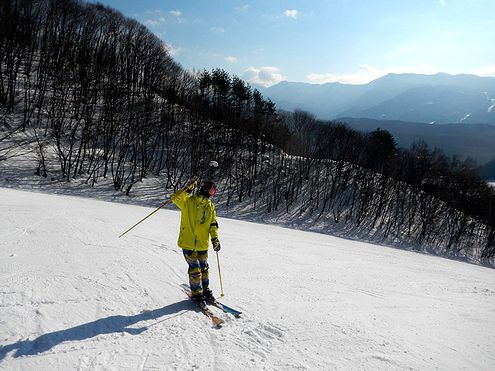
(432, 104)
(439, 98)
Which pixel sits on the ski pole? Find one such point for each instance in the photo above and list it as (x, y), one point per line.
(191, 182)
(220, 275)
(147, 216)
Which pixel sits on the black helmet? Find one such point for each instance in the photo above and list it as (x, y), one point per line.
(207, 188)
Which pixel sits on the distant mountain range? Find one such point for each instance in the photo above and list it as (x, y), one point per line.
(437, 99)
(453, 112)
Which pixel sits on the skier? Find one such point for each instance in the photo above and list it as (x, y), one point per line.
(198, 222)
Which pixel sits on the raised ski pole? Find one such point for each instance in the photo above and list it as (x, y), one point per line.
(147, 216)
(220, 275)
(192, 181)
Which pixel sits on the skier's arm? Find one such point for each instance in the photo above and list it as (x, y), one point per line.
(214, 224)
(214, 231)
(179, 198)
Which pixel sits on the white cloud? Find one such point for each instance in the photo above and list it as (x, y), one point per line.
(217, 29)
(243, 8)
(154, 12)
(485, 71)
(265, 76)
(172, 50)
(291, 13)
(151, 22)
(176, 13)
(231, 59)
(443, 2)
(367, 73)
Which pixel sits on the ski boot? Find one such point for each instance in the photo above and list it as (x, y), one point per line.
(208, 296)
(199, 300)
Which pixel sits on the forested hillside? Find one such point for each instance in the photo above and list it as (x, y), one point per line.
(98, 96)
(461, 140)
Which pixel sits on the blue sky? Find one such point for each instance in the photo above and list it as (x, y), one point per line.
(318, 41)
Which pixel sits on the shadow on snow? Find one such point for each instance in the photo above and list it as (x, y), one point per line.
(108, 325)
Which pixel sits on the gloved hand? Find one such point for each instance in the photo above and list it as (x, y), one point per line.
(189, 187)
(216, 244)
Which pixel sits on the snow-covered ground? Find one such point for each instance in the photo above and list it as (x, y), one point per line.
(75, 296)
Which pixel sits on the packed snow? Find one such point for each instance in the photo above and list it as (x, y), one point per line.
(491, 102)
(465, 117)
(75, 296)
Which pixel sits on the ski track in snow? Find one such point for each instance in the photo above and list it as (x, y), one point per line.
(75, 296)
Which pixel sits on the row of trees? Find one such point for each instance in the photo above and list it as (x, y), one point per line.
(105, 100)
(452, 180)
(417, 193)
(109, 97)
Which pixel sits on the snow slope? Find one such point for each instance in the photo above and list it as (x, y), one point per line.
(75, 296)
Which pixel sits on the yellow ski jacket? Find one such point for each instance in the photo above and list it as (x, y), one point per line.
(198, 220)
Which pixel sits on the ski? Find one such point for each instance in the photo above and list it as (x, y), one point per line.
(226, 309)
(217, 304)
(214, 319)
(208, 313)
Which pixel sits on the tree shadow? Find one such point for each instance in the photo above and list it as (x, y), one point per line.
(108, 325)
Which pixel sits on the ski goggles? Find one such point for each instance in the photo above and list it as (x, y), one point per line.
(212, 191)
(209, 187)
